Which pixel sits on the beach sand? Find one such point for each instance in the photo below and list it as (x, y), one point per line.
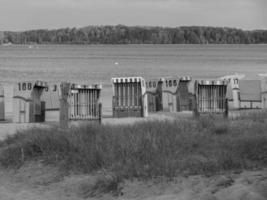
(35, 181)
(9, 128)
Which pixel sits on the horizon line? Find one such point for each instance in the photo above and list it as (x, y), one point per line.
(141, 26)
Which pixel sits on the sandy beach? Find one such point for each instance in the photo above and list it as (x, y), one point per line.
(37, 181)
(9, 128)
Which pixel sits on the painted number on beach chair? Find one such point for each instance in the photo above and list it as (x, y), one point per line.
(25, 86)
(54, 88)
(171, 83)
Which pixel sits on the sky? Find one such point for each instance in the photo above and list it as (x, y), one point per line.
(18, 15)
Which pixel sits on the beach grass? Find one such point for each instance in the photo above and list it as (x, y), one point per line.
(145, 149)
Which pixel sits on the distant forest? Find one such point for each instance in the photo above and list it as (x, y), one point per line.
(136, 35)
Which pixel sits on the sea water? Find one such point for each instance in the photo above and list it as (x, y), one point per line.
(97, 64)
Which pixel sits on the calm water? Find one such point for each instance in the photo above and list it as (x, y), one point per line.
(97, 64)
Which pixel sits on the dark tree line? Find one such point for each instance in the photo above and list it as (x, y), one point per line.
(1, 37)
(136, 35)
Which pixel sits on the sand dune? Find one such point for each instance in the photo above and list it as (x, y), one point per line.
(36, 181)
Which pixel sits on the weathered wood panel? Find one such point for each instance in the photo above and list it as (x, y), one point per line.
(184, 98)
(27, 104)
(211, 96)
(79, 102)
(264, 92)
(169, 94)
(2, 104)
(129, 99)
(154, 95)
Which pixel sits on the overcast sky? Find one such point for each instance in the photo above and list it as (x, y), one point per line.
(36, 14)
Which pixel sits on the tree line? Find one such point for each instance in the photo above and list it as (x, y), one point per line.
(121, 34)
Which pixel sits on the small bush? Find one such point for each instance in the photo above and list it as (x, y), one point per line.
(220, 128)
(106, 183)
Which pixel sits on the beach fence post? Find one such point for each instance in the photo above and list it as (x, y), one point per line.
(226, 112)
(195, 107)
(100, 112)
(154, 95)
(2, 103)
(159, 96)
(129, 99)
(264, 91)
(27, 104)
(64, 104)
(183, 96)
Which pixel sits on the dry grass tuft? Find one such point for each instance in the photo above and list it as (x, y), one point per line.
(144, 150)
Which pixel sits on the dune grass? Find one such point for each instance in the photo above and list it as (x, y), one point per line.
(147, 149)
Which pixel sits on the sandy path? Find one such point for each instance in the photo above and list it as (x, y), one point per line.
(33, 182)
(37, 182)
